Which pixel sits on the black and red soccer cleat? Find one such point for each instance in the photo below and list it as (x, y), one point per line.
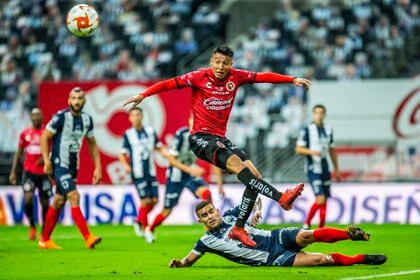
(374, 259)
(289, 196)
(237, 233)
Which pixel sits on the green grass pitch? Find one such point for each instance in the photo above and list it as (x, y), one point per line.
(122, 255)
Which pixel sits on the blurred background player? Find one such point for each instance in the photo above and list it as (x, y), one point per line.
(66, 130)
(316, 142)
(33, 170)
(139, 144)
(278, 247)
(183, 173)
(214, 91)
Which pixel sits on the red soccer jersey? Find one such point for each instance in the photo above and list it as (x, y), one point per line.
(30, 141)
(212, 100)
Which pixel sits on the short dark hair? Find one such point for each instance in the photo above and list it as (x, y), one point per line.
(201, 205)
(319, 106)
(224, 49)
(135, 109)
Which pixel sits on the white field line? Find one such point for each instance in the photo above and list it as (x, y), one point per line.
(383, 275)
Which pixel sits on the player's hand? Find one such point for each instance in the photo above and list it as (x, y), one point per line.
(256, 218)
(302, 82)
(97, 176)
(136, 100)
(197, 171)
(175, 263)
(40, 161)
(48, 168)
(222, 192)
(337, 175)
(12, 178)
(127, 168)
(316, 153)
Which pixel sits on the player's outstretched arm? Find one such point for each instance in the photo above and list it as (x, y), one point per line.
(94, 152)
(219, 180)
(156, 88)
(275, 78)
(185, 262)
(16, 161)
(333, 156)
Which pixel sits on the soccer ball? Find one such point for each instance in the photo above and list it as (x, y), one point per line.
(82, 20)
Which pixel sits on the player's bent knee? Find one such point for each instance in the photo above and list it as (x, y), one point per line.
(304, 238)
(153, 201)
(235, 164)
(321, 199)
(166, 212)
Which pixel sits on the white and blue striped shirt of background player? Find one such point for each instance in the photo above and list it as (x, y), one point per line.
(180, 148)
(319, 139)
(140, 145)
(68, 136)
(268, 247)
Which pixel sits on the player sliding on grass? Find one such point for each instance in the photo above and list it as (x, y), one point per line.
(278, 247)
(214, 91)
(66, 131)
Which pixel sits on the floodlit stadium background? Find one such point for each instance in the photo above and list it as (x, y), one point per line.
(362, 56)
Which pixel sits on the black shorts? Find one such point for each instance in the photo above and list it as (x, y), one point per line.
(32, 181)
(206, 146)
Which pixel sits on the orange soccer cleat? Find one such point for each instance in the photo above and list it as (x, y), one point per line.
(289, 196)
(32, 233)
(92, 241)
(237, 233)
(49, 244)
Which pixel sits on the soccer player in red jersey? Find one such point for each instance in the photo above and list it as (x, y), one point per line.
(33, 170)
(213, 94)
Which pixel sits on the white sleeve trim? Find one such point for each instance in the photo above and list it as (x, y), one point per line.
(197, 252)
(301, 143)
(124, 151)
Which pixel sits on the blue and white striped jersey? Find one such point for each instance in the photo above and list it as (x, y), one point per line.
(180, 148)
(319, 139)
(140, 145)
(268, 248)
(68, 136)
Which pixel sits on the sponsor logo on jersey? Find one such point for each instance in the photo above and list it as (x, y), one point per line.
(221, 145)
(216, 104)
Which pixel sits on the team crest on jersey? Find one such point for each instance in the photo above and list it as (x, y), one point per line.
(221, 145)
(230, 86)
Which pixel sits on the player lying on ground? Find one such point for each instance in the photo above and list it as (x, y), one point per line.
(214, 90)
(33, 171)
(66, 131)
(181, 174)
(278, 247)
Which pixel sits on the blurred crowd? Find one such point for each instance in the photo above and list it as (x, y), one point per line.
(137, 40)
(145, 40)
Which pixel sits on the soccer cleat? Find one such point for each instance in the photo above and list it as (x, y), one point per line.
(32, 233)
(138, 230)
(49, 244)
(374, 259)
(92, 241)
(306, 226)
(289, 196)
(237, 233)
(149, 235)
(357, 233)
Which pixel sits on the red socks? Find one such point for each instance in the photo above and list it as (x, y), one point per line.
(142, 216)
(330, 235)
(206, 195)
(158, 220)
(322, 214)
(311, 213)
(80, 221)
(344, 260)
(50, 222)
